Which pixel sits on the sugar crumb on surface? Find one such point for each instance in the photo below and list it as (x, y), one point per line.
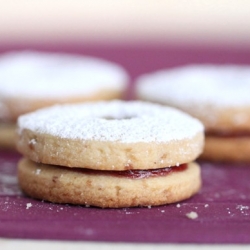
(192, 215)
(28, 205)
(178, 205)
(242, 207)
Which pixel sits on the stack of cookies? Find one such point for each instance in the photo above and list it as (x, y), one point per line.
(109, 154)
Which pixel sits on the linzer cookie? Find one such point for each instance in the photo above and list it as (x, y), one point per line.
(31, 80)
(218, 95)
(110, 154)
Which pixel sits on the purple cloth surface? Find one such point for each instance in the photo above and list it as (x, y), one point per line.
(222, 205)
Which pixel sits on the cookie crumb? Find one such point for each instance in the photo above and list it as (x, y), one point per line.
(149, 207)
(192, 215)
(178, 205)
(28, 205)
(206, 205)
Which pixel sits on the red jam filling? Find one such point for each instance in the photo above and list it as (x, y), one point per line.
(135, 174)
(228, 134)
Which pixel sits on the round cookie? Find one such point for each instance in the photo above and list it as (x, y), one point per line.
(138, 135)
(31, 80)
(106, 189)
(218, 95)
(109, 154)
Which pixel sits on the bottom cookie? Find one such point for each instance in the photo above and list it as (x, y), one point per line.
(7, 135)
(227, 149)
(111, 189)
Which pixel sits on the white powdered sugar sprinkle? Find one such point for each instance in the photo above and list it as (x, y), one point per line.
(211, 85)
(33, 74)
(120, 121)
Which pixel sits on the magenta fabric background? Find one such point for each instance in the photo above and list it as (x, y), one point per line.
(223, 204)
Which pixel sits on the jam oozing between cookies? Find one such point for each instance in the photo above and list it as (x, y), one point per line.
(136, 174)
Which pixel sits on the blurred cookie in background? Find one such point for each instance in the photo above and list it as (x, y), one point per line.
(218, 95)
(30, 80)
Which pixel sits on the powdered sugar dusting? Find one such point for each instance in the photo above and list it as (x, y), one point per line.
(52, 75)
(116, 120)
(211, 85)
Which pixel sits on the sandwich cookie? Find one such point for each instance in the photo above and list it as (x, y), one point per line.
(110, 154)
(218, 95)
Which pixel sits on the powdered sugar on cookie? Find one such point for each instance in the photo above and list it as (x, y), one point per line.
(120, 121)
(212, 85)
(51, 75)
